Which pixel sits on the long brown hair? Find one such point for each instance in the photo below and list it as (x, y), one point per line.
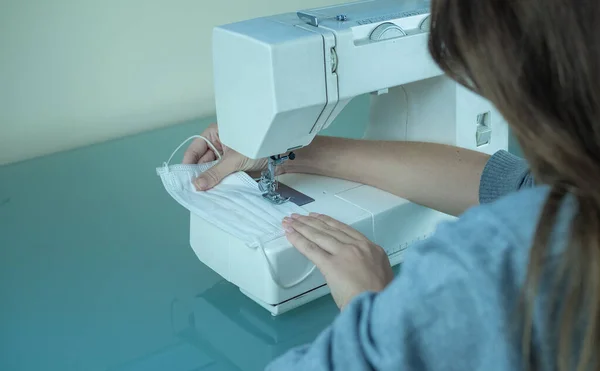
(538, 62)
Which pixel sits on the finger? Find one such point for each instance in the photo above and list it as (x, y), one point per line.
(215, 175)
(323, 240)
(195, 151)
(309, 249)
(209, 156)
(325, 228)
(341, 226)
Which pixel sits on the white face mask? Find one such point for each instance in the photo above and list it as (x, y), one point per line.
(235, 205)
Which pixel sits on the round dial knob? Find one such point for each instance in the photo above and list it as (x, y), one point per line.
(386, 31)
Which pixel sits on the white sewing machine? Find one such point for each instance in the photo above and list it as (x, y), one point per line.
(280, 80)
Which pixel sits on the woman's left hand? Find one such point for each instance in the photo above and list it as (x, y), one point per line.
(350, 263)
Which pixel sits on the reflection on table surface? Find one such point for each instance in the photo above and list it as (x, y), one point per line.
(96, 272)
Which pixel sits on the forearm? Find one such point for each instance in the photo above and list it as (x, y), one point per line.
(441, 177)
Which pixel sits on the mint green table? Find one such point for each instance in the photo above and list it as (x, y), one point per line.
(96, 272)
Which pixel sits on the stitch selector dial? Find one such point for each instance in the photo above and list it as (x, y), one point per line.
(386, 31)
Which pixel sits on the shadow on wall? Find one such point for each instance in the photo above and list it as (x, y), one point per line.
(351, 123)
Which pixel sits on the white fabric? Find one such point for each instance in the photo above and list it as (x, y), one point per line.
(235, 205)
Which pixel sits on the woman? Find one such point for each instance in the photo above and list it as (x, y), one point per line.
(515, 282)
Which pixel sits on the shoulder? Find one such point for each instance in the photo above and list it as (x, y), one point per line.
(509, 223)
(486, 243)
(474, 266)
(465, 280)
(489, 245)
(513, 218)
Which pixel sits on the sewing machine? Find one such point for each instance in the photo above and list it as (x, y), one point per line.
(280, 80)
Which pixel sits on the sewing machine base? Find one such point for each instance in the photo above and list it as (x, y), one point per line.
(308, 296)
(276, 275)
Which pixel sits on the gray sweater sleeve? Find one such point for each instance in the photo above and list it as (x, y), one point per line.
(504, 173)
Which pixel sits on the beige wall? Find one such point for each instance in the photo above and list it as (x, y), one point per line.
(75, 72)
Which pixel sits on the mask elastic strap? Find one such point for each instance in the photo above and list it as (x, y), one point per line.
(275, 277)
(208, 142)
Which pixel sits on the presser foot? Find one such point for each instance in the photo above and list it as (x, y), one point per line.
(268, 183)
(276, 198)
(269, 188)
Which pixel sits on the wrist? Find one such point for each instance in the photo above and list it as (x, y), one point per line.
(291, 166)
(288, 166)
(307, 158)
(281, 169)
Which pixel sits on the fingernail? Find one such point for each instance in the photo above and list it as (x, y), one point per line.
(288, 229)
(295, 216)
(314, 214)
(286, 220)
(201, 184)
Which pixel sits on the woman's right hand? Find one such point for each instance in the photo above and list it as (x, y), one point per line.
(199, 152)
